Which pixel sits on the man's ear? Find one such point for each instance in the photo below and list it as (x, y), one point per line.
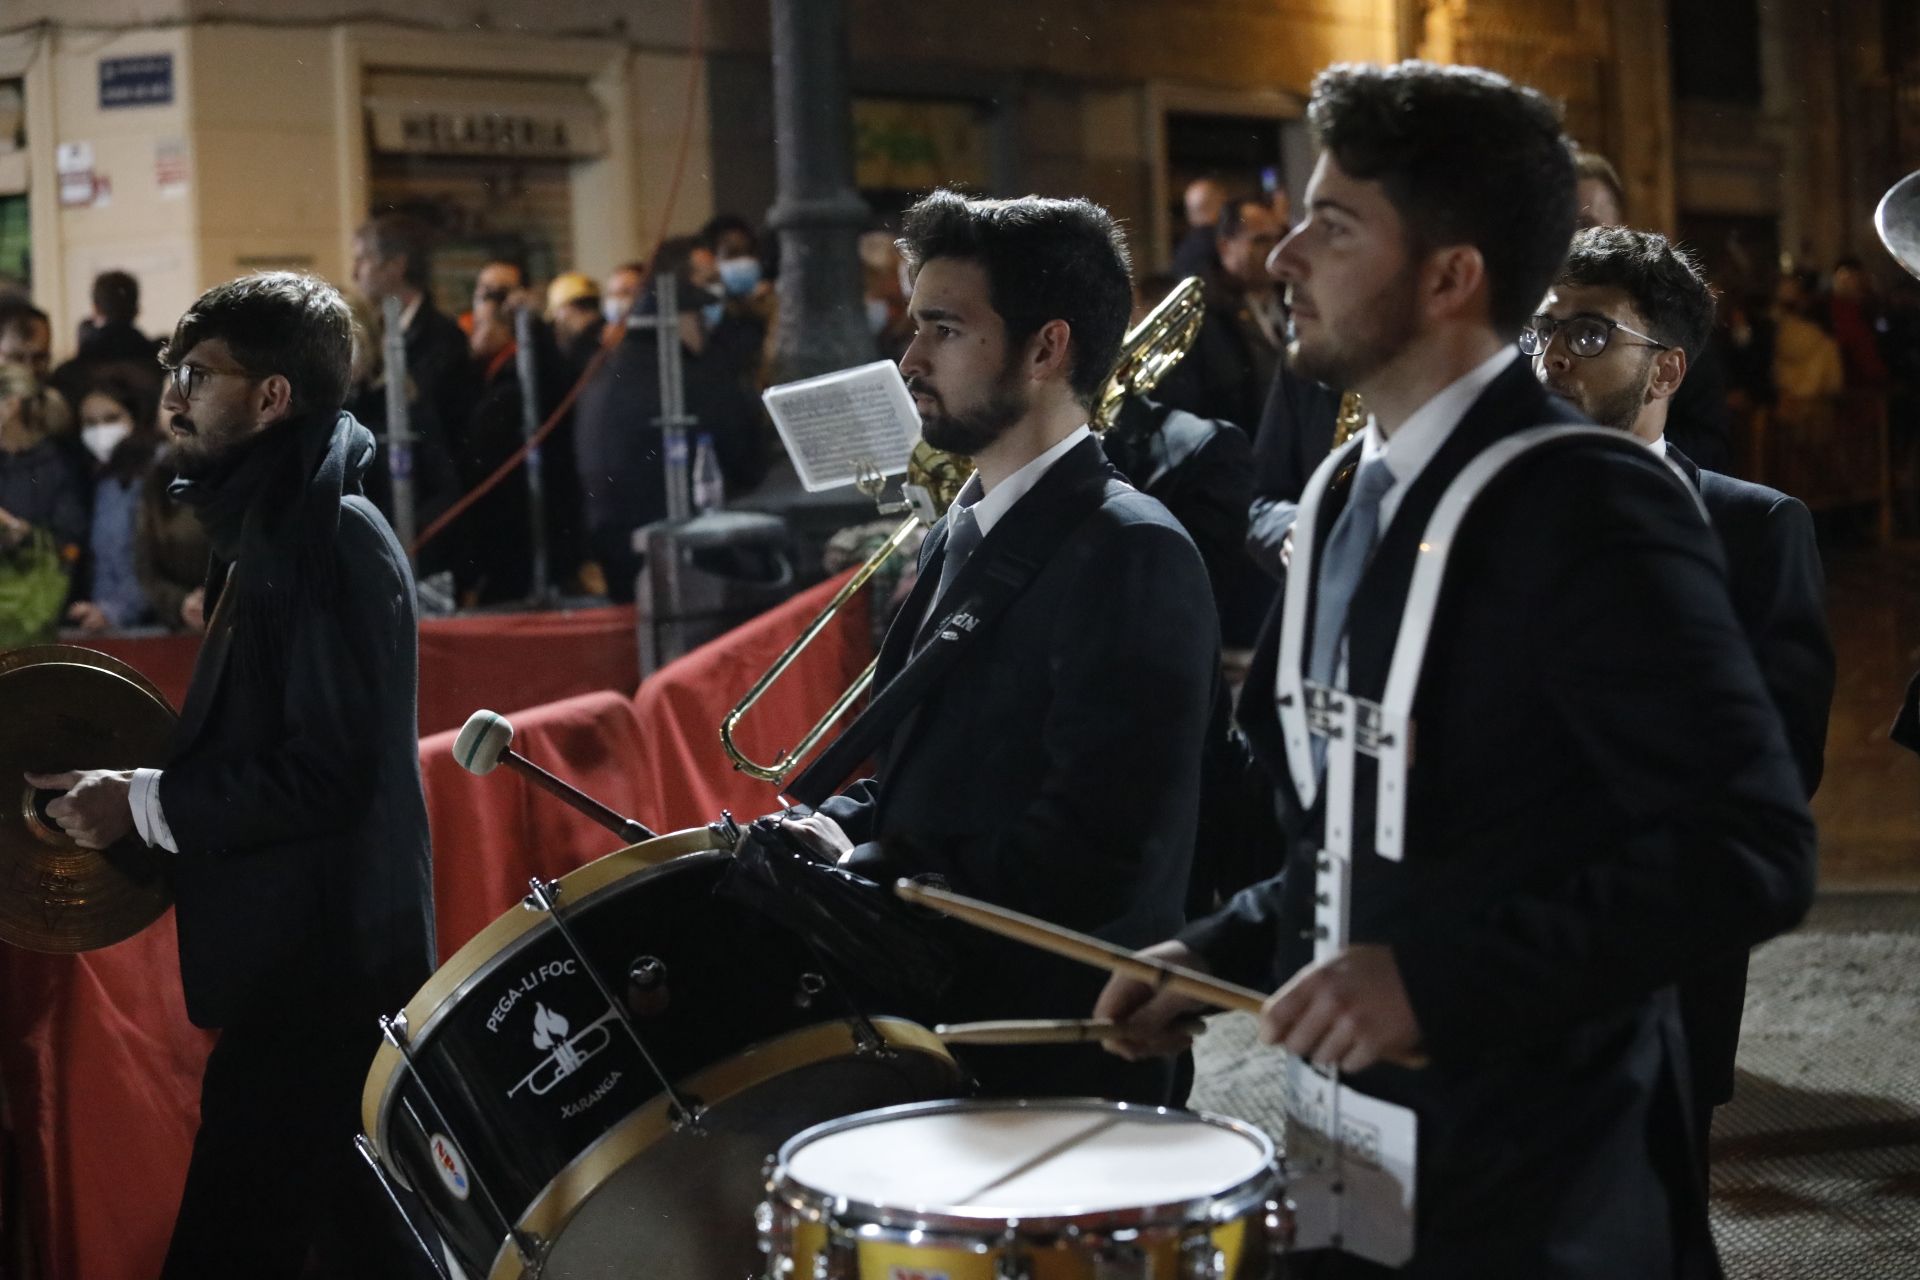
(1453, 281)
(273, 400)
(1669, 370)
(1050, 351)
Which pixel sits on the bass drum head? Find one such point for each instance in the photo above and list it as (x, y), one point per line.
(650, 1200)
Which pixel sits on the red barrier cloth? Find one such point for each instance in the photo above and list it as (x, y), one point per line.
(687, 776)
(492, 833)
(482, 660)
(522, 660)
(100, 1064)
(102, 1073)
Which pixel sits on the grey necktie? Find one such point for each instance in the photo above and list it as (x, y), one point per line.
(1341, 564)
(963, 535)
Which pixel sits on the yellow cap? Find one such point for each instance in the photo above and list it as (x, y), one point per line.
(570, 286)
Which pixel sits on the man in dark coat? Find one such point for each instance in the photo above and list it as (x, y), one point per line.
(1617, 283)
(1043, 695)
(1599, 798)
(291, 800)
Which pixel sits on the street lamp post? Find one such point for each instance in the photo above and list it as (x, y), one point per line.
(817, 213)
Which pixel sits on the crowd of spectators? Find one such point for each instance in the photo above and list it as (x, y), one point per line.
(91, 540)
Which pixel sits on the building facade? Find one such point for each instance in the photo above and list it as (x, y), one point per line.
(189, 140)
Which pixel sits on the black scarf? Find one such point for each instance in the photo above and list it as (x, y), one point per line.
(272, 507)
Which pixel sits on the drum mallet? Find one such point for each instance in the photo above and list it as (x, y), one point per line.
(485, 741)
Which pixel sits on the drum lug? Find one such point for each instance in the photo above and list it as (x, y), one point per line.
(1121, 1262)
(1199, 1258)
(811, 985)
(689, 1116)
(726, 832)
(839, 1259)
(1012, 1263)
(1278, 1224)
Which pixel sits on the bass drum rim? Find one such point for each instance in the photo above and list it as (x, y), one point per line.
(554, 1208)
(897, 1223)
(495, 945)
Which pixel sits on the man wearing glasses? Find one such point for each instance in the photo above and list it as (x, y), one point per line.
(1615, 337)
(290, 806)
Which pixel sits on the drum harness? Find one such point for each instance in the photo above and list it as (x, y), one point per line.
(1353, 726)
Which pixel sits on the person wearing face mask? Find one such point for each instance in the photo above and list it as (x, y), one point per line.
(117, 428)
(724, 378)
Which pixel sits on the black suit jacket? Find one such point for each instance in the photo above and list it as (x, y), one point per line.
(1055, 765)
(303, 881)
(1778, 590)
(1601, 800)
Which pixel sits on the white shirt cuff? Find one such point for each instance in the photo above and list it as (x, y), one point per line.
(144, 798)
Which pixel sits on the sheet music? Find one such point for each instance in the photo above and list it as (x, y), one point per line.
(1354, 1193)
(841, 426)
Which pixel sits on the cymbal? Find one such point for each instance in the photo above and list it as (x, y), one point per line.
(1897, 219)
(63, 707)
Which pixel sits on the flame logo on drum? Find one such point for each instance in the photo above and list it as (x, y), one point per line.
(565, 1054)
(547, 1027)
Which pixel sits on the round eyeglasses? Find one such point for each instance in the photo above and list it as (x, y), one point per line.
(1587, 336)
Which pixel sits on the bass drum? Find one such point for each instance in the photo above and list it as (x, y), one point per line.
(536, 1134)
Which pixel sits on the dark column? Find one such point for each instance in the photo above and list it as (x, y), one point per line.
(817, 213)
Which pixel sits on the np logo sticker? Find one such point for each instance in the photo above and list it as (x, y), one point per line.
(448, 1163)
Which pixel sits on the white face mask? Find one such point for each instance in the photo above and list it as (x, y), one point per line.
(614, 309)
(878, 313)
(101, 438)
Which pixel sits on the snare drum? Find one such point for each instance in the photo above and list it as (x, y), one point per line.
(1053, 1190)
(537, 1136)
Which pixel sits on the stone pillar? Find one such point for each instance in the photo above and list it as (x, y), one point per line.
(816, 212)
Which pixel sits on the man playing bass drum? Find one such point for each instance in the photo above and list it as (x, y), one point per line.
(1041, 700)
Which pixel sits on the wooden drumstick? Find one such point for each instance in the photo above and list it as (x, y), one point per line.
(1045, 1030)
(1087, 950)
(1158, 974)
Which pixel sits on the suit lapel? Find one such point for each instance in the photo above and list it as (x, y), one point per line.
(1512, 402)
(209, 668)
(1029, 531)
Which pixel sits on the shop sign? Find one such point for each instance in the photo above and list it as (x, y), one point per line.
(438, 131)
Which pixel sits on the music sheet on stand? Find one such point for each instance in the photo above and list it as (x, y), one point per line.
(842, 426)
(1353, 1191)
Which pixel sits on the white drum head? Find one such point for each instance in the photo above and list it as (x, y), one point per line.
(1028, 1161)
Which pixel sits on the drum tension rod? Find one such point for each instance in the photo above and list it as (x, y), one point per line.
(685, 1113)
(367, 1153)
(528, 1245)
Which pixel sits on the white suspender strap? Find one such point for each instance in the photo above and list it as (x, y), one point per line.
(1290, 695)
(1392, 737)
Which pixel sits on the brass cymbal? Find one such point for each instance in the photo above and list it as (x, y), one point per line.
(63, 707)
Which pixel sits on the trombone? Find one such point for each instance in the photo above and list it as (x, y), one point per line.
(1149, 350)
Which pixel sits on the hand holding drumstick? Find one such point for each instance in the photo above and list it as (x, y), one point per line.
(1350, 1011)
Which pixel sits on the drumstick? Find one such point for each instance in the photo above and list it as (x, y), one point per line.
(1101, 955)
(1045, 1030)
(1087, 950)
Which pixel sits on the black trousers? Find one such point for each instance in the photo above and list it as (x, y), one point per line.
(275, 1188)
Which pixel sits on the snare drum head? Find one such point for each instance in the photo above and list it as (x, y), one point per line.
(1025, 1160)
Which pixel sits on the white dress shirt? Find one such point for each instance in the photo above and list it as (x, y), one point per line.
(988, 508)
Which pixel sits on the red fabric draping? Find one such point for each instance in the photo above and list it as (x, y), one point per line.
(688, 777)
(102, 1074)
(100, 1064)
(490, 834)
(482, 660)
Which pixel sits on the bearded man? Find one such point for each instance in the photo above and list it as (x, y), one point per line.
(1041, 701)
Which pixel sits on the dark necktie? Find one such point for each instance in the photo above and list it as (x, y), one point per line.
(1341, 564)
(963, 535)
